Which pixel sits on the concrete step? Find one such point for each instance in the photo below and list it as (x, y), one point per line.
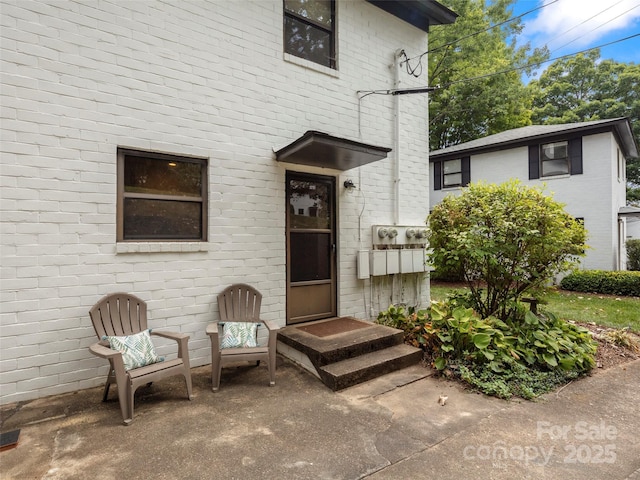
(335, 348)
(352, 371)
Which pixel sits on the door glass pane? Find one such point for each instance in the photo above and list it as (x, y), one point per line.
(310, 256)
(161, 219)
(317, 10)
(309, 205)
(163, 177)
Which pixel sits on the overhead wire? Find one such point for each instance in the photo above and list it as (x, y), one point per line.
(582, 23)
(537, 64)
(366, 93)
(599, 26)
(412, 70)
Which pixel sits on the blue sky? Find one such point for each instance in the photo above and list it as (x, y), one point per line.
(569, 26)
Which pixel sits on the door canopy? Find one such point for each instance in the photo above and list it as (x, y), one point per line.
(319, 149)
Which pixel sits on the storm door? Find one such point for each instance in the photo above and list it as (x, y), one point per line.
(311, 247)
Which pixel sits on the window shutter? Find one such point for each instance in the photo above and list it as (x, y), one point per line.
(437, 175)
(466, 171)
(575, 156)
(534, 162)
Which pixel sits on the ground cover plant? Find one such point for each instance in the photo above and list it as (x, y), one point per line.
(522, 358)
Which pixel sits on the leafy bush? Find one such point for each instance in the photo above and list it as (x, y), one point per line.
(406, 319)
(505, 239)
(600, 281)
(633, 255)
(525, 357)
(443, 273)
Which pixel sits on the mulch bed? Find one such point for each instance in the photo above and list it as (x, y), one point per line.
(608, 354)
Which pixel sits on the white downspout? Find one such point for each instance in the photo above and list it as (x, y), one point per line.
(396, 134)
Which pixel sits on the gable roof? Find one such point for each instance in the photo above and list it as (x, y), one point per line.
(535, 133)
(419, 13)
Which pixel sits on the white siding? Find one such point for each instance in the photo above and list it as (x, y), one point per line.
(203, 78)
(596, 195)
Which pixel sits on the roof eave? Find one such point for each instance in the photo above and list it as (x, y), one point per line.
(620, 126)
(419, 13)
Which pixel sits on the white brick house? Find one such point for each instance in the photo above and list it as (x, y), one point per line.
(99, 97)
(581, 164)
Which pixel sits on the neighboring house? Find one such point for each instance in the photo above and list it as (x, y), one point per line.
(632, 215)
(170, 149)
(581, 164)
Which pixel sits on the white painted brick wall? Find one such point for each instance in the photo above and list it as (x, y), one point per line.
(596, 195)
(206, 78)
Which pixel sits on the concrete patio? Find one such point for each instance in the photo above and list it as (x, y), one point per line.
(388, 428)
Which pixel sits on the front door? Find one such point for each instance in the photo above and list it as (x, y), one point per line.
(311, 247)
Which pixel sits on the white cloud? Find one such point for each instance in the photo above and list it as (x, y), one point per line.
(580, 22)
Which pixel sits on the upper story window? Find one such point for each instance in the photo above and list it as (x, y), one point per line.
(621, 167)
(451, 173)
(161, 197)
(554, 159)
(309, 30)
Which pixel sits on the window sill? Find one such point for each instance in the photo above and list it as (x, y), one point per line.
(555, 177)
(161, 247)
(311, 65)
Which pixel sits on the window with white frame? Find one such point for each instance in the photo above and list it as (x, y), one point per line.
(161, 197)
(309, 30)
(554, 159)
(452, 173)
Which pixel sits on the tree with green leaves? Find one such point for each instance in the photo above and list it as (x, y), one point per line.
(464, 110)
(583, 88)
(504, 240)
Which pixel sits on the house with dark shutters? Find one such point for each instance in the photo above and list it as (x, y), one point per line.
(581, 164)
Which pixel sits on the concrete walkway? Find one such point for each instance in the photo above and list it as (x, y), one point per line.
(388, 428)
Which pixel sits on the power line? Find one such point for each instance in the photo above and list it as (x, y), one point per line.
(488, 75)
(366, 93)
(594, 29)
(412, 71)
(581, 23)
(537, 64)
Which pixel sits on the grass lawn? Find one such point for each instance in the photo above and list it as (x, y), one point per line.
(609, 311)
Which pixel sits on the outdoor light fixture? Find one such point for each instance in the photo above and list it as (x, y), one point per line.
(349, 185)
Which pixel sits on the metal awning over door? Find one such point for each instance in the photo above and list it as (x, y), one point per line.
(323, 150)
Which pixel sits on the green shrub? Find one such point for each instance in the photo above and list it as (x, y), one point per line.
(443, 273)
(600, 281)
(406, 319)
(633, 255)
(504, 240)
(525, 356)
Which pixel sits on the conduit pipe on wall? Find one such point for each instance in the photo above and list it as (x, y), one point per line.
(396, 135)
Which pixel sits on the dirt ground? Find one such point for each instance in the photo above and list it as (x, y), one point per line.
(609, 354)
